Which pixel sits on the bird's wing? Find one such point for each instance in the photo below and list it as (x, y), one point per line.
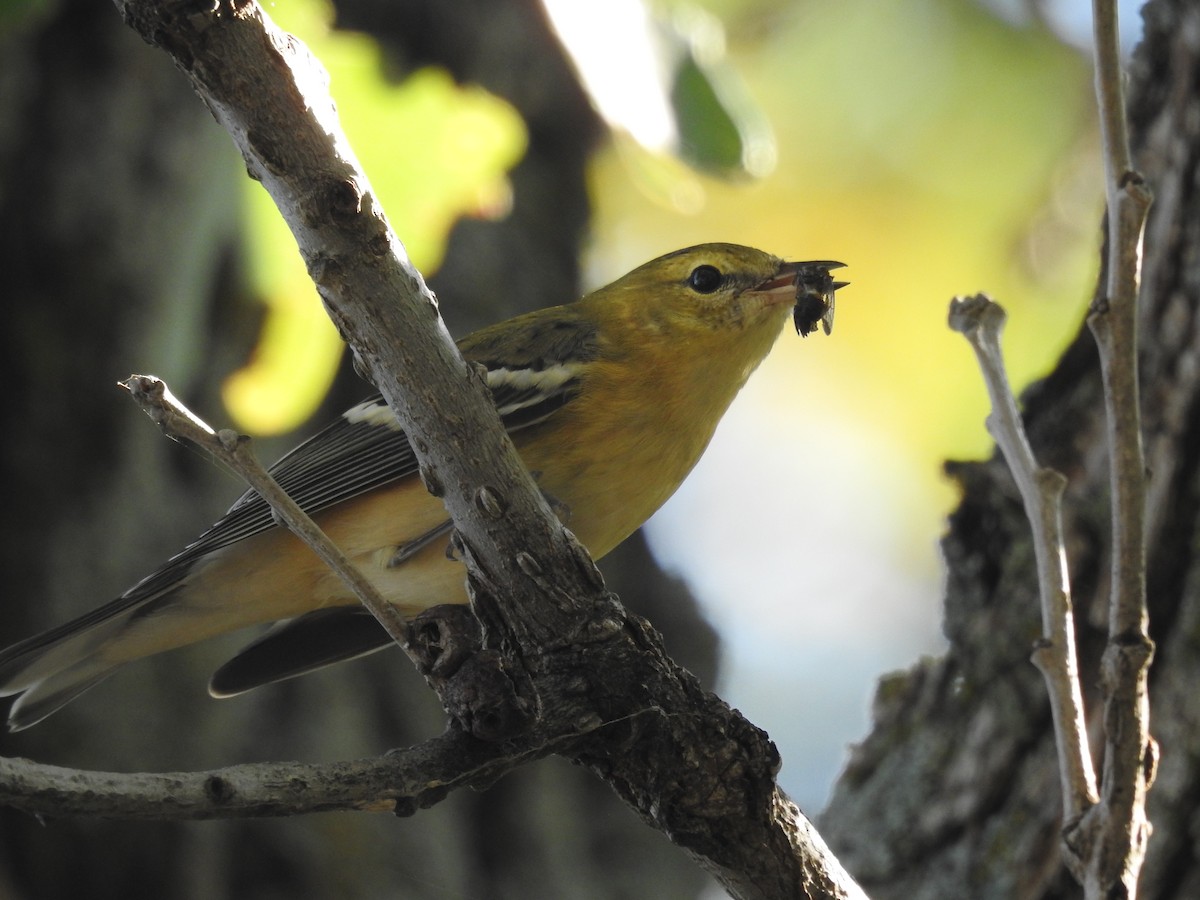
(535, 376)
(365, 447)
(526, 391)
(362, 449)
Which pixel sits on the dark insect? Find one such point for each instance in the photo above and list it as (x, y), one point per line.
(815, 290)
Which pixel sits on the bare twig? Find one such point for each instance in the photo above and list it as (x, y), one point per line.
(233, 449)
(981, 321)
(1113, 837)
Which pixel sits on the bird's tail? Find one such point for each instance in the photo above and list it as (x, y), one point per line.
(51, 669)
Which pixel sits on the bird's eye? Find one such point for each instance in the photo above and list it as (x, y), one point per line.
(705, 279)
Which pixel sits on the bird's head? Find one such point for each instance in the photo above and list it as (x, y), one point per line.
(712, 291)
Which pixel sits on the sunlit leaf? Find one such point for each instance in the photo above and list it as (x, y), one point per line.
(670, 88)
(434, 152)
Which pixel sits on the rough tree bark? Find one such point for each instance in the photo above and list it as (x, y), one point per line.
(955, 792)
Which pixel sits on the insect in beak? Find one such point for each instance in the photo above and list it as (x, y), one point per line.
(815, 291)
(813, 288)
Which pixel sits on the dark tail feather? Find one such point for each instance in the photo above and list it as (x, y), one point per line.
(54, 692)
(299, 646)
(51, 669)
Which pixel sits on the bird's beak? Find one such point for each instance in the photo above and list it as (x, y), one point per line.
(813, 289)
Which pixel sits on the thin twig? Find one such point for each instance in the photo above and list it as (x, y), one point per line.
(1115, 839)
(1113, 320)
(981, 321)
(233, 449)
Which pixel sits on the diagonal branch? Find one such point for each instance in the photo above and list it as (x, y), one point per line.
(179, 423)
(272, 97)
(558, 643)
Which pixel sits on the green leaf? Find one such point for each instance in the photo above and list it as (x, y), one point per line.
(434, 151)
(709, 136)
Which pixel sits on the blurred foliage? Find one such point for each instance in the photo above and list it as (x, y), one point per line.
(935, 149)
(672, 90)
(709, 138)
(434, 152)
(15, 13)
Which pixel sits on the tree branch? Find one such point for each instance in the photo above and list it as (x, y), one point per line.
(596, 679)
(272, 96)
(1105, 833)
(1114, 834)
(981, 320)
(232, 449)
(1105, 840)
(400, 782)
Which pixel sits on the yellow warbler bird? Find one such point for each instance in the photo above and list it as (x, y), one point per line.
(610, 400)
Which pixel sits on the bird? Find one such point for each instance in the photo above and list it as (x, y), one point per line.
(609, 400)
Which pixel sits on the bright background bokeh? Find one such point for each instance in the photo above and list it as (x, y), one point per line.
(937, 150)
(938, 147)
(467, 140)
